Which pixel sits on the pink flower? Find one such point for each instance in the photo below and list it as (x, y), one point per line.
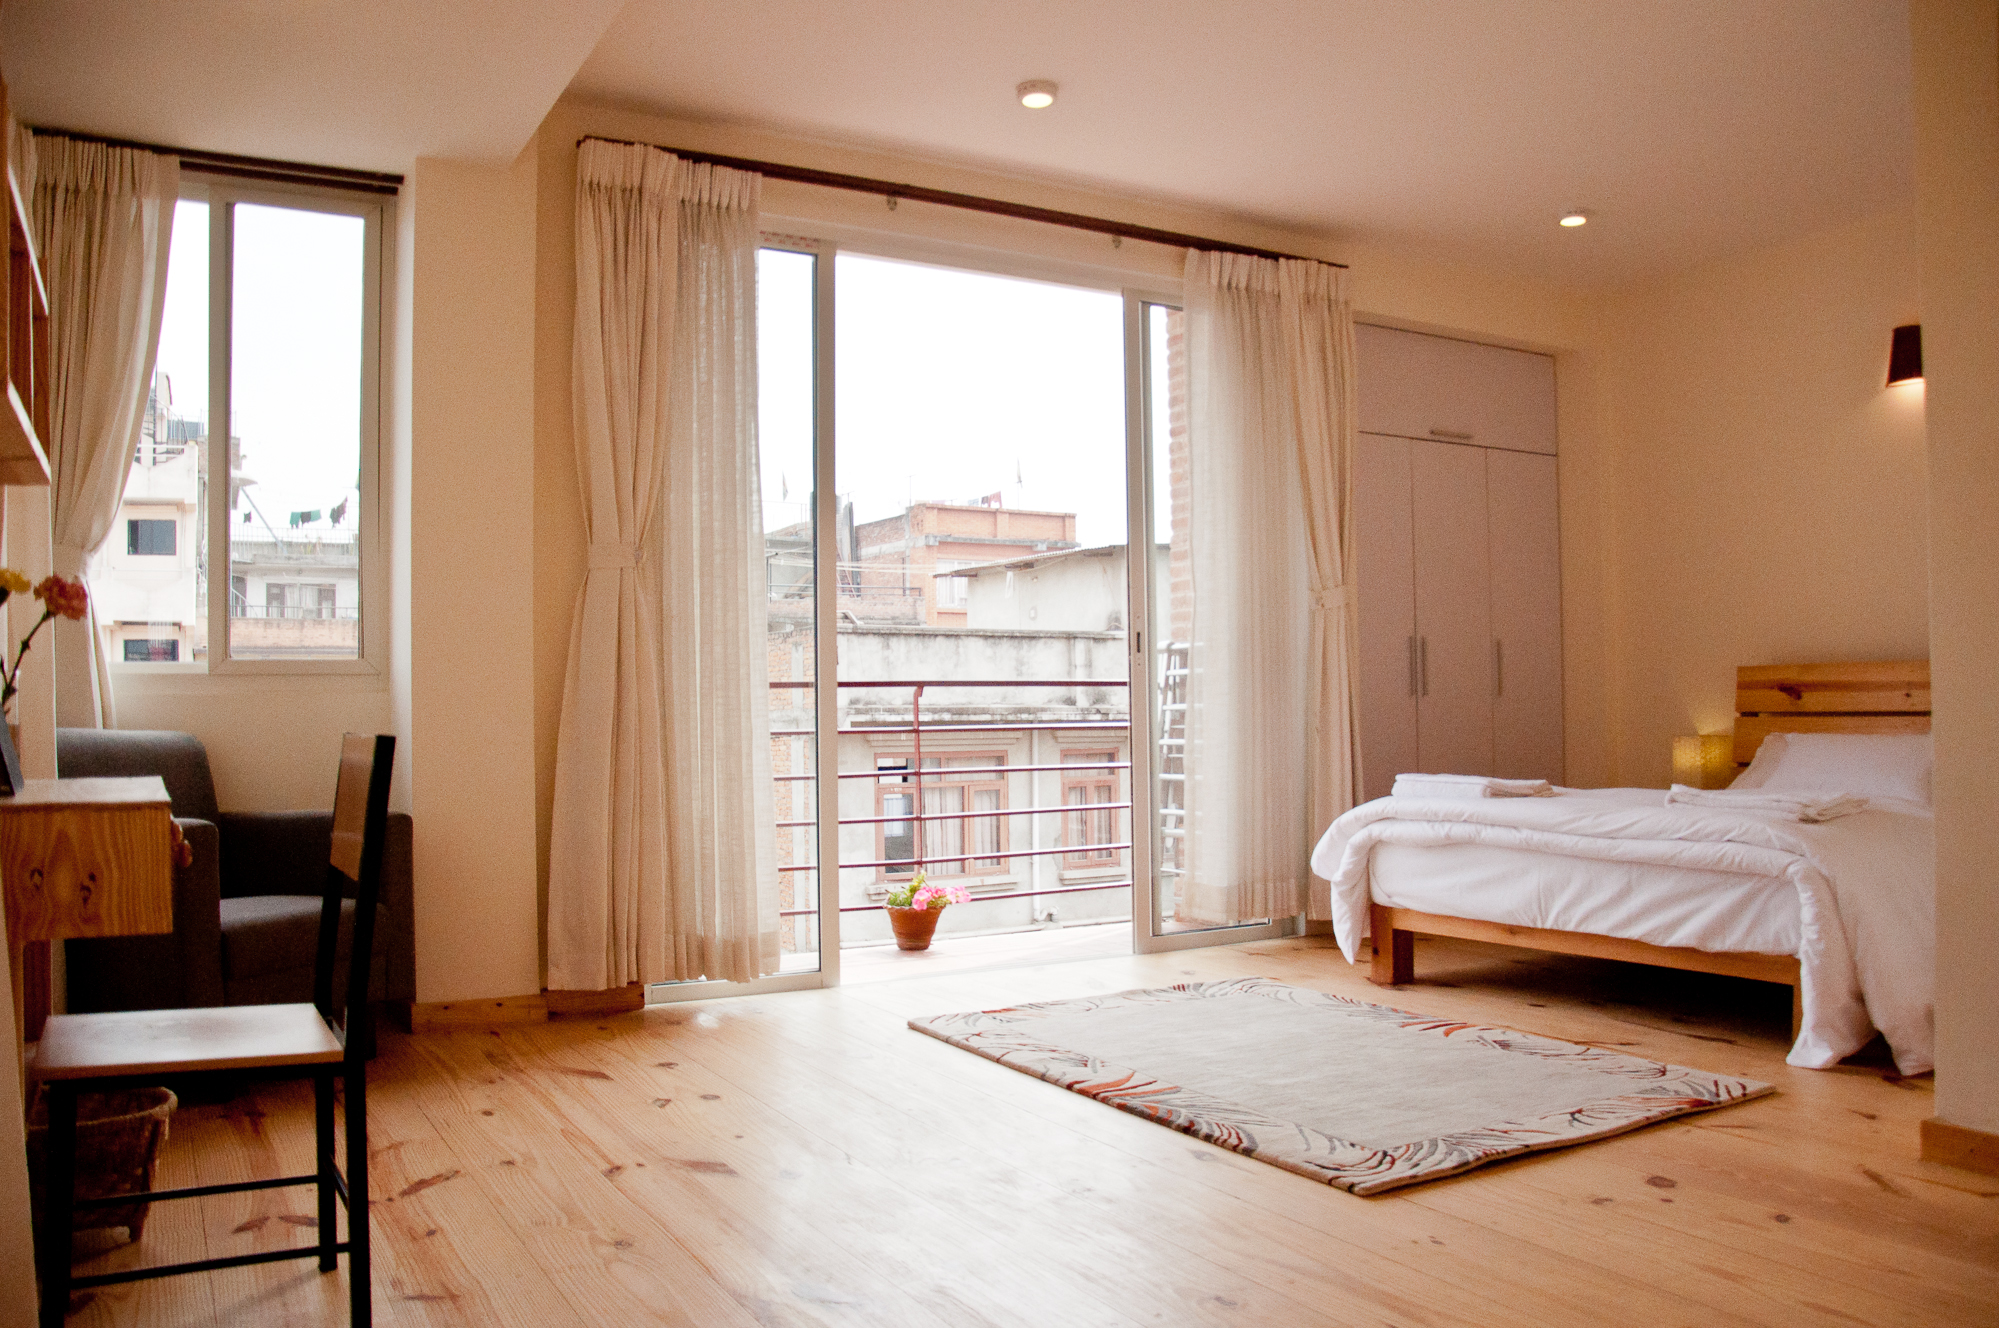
(937, 896)
(63, 598)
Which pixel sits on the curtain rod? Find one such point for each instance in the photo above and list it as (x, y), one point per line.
(251, 168)
(969, 202)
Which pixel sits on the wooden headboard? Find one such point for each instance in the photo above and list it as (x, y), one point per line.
(1891, 696)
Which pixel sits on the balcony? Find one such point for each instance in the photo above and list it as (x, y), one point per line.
(1017, 789)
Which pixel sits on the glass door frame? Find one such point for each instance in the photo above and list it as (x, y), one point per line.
(1146, 938)
(1143, 687)
(825, 654)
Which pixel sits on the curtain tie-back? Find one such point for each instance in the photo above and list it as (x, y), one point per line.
(1336, 598)
(613, 553)
(69, 559)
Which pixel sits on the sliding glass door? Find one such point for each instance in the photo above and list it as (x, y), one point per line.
(980, 614)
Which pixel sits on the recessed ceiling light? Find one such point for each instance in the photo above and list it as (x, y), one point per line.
(1036, 94)
(1575, 217)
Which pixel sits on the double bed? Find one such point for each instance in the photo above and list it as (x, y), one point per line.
(1841, 912)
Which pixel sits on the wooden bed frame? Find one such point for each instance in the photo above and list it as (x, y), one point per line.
(1890, 697)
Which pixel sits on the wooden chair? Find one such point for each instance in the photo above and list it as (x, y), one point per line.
(98, 1051)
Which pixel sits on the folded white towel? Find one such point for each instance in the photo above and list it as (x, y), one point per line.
(1470, 786)
(1805, 807)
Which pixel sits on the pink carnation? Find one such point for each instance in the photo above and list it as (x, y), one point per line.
(63, 598)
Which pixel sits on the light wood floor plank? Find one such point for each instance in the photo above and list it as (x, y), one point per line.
(651, 1165)
(605, 1260)
(806, 1161)
(1486, 1265)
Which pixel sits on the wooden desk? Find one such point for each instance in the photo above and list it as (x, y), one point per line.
(80, 857)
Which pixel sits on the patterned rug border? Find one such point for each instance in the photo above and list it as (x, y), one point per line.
(1659, 1091)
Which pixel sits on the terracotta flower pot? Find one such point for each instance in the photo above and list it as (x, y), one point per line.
(914, 926)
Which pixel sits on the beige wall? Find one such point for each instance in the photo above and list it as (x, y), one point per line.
(1768, 500)
(471, 505)
(273, 741)
(1956, 52)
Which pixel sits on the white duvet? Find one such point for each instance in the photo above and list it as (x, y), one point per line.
(1865, 886)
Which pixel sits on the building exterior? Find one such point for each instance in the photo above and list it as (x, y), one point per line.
(294, 582)
(904, 553)
(1071, 590)
(146, 579)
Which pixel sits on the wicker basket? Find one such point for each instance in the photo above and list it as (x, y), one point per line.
(118, 1138)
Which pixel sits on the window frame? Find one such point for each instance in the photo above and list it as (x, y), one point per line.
(893, 781)
(377, 213)
(132, 533)
(1083, 772)
(125, 645)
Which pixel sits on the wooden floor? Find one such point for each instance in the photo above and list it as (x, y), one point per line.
(805, 1159)
(975, 954)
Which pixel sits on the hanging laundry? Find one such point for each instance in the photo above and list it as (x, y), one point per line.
(340, 511)
(305, 518)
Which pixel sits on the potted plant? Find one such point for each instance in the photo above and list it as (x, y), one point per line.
(914, 907)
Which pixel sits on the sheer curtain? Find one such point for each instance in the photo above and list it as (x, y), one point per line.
(1271, 755)
(723, 902)
(103, 218)
(658, 865)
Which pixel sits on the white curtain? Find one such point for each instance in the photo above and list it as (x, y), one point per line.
(1271, 754)
(103, 218)
(659, 867)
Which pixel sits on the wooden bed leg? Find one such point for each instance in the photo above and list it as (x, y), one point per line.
(1797, 1009)
(1394, 951)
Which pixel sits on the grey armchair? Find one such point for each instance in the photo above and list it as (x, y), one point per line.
(246, 913)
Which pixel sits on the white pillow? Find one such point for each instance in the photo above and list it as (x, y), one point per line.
(1870, 765)
(1768, 756)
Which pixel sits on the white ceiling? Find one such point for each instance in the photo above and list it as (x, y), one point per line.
(1690, 128)
(367, 84)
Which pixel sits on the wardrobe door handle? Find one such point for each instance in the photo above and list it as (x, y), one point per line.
(1423, 663)
(1498, 667)
(1412, 664)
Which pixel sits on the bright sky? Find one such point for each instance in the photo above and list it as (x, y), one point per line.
(951, 385)
(297, 333)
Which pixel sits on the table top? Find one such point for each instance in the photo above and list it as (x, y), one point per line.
(122, 791)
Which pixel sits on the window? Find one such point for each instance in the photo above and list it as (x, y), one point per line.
(1090, 825)
(139, 651)
(953, 592)
(268, 448)
(151, 535)
(954, 844)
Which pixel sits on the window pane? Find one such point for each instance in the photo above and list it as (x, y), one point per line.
(150, 536)
(148, 585)
(295, 420)
(986, 830)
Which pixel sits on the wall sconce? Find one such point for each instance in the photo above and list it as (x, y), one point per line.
(1905, 355)
(1704, 761)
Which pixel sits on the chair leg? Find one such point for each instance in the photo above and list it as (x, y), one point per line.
(360, 1300)
(329, 1199)
(58, 1205)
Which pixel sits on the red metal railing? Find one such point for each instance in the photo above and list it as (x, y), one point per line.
(916, 773)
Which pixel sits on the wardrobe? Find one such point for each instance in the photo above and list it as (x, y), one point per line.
(1458, 559)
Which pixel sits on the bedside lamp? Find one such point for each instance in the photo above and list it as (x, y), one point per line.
(1704, 761)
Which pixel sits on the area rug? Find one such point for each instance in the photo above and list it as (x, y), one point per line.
(1356, 1095)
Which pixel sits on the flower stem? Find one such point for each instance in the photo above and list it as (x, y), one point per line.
(7, 693)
